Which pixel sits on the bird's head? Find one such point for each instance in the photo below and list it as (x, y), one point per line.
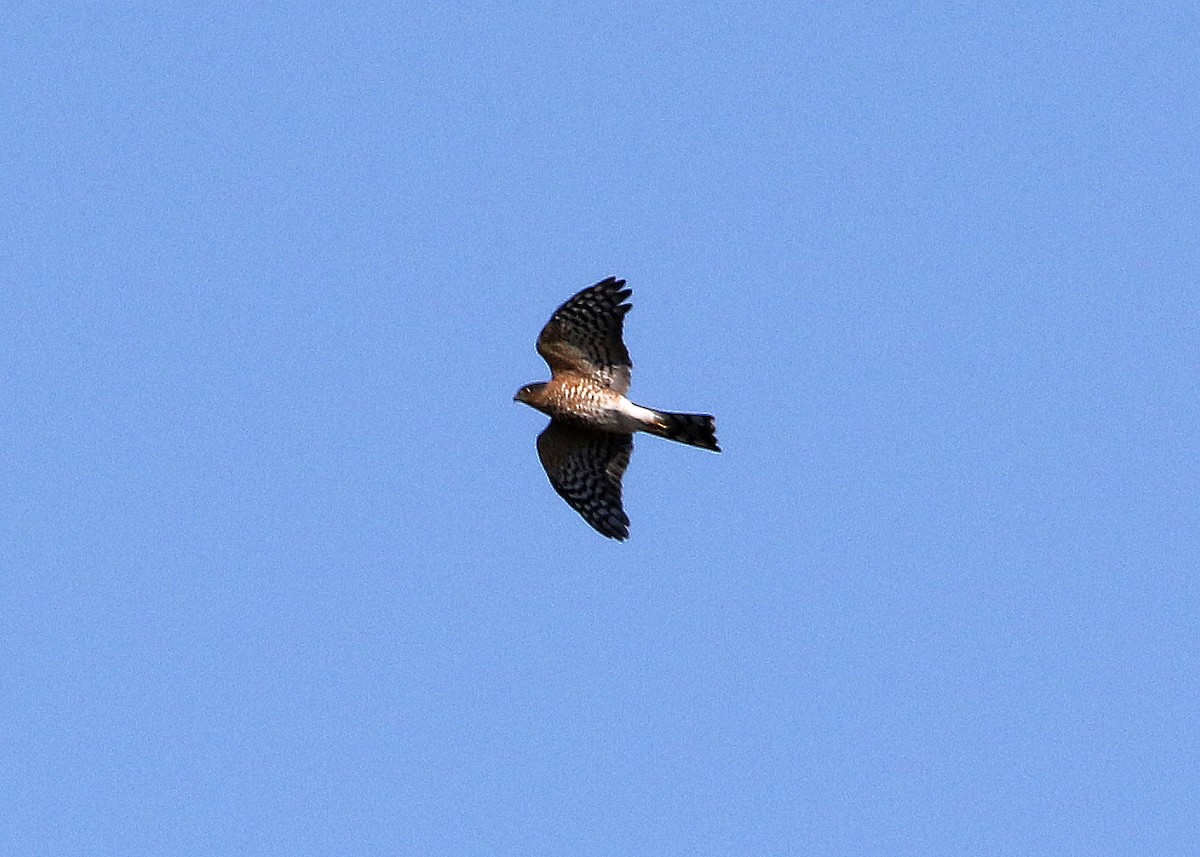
(529, 394)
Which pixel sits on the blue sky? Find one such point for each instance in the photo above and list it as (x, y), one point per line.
(282, 575)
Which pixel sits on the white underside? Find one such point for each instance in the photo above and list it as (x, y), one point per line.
(634, 417)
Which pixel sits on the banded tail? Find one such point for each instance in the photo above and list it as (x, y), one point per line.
(692, 429)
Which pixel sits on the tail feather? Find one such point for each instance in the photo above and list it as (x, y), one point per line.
(692, 429)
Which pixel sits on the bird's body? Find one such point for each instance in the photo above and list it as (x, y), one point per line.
(575, 401)
(587, 445)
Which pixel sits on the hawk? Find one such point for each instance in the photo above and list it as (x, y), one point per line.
(587, 445)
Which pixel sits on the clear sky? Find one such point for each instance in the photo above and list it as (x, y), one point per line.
(281, 574)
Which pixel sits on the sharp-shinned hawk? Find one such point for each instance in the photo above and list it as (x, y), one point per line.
(589, 441)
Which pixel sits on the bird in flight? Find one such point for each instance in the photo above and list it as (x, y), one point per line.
(589, 441)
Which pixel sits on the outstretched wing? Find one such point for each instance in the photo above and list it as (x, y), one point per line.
(585, 467)
(585, 335)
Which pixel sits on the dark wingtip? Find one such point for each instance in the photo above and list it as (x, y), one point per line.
(617, 528)
(612, 530)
